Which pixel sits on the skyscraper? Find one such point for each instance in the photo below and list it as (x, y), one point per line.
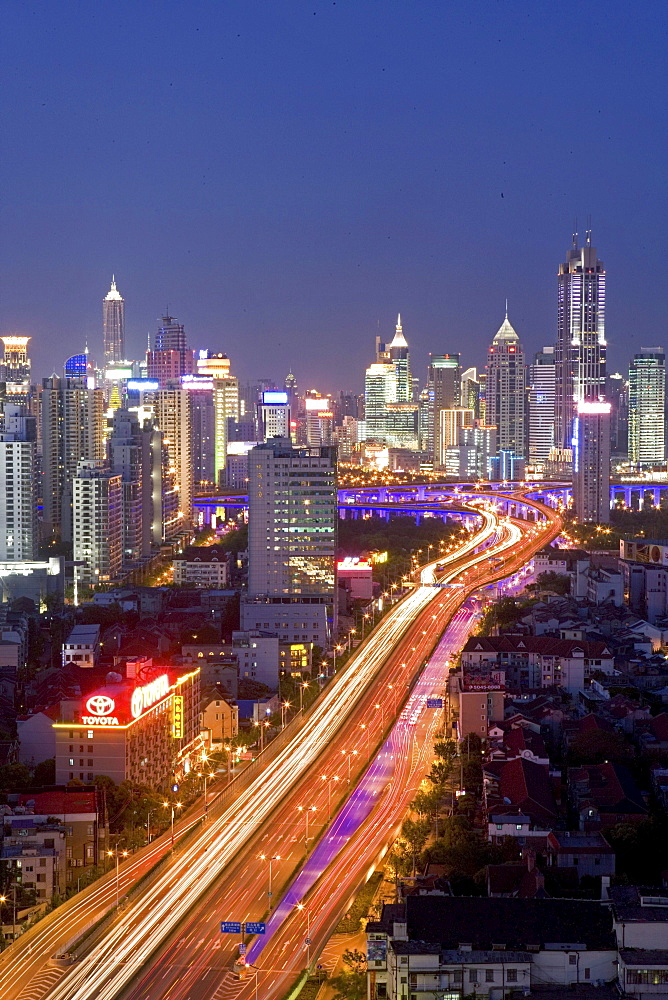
(401, 362)
(591, 461)
(647, 401)
(15, 367)
(581, 347)
(18, 486)
(72, 430)
(380, 388)
(541, 405)
(113, 326)
(97, 534)
(505, 390)
(444, 384)
(292, 515)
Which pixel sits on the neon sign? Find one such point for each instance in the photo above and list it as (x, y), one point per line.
(100, 707)
(149, 694)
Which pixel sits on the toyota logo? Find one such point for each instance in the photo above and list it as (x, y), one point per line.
(100, 704)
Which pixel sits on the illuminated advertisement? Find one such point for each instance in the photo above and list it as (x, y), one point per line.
(148, 695)
(177, 717)
(100, 708)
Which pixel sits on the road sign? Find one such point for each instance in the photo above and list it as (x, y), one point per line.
(434, 703)
(230, 927)
(252, 927)
(242, 948)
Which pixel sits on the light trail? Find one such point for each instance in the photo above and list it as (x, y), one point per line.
(137, 932)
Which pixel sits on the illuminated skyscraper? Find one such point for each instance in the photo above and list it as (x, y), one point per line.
(647, 402)
(113, 325)
(18, 485)
(541, 405)
(400, 360)
(581, 347)
(15, 367)
(505, 390)
(444, 385)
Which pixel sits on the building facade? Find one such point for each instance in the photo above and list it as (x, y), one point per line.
(647, 406)
(542, 375)
(505, 390)
(113, 326)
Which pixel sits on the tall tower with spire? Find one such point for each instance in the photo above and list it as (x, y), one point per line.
(399, 357)
(113, 326)
(505, 390)
(579, 353)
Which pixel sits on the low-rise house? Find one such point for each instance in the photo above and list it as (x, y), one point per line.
(220, 715)
(640, 920)
(532, 662)
(202, 565)
(603, 795)
(430, 946)
(82, 646)
(588, 853)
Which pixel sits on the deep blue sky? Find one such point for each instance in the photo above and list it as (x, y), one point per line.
(287, 175)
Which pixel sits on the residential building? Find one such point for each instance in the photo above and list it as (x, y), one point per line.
(18, 485)
(640, 916)
(82, 646)
(292, 538)
(203, 429)
(603, 795)
(434, 945)
(202, 565)
(72, 431)
(81, 814)
(258, 656)
(591, 461)
(113, 326)
(97, 533)
(647, 408)
(589, 853)
(220, 716)
(643, 564)
(505, 402)
(530, 662)
(171, 410)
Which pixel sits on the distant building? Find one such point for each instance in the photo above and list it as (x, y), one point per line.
(82, 646)
(18, 485)
(542, 375)
(97, 532)
(647, 407)
(505, 390)
(203, 565)
(113, 326)
(220, 715)
(591, 462)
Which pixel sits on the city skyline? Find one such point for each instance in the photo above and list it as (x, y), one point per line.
(304, 202)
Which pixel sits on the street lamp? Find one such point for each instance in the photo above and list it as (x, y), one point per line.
(382, 715)
(302, 688)
(174, 805)
(329, 781)
(349, 753)
(274, 857)
(284, 707)
(118, 855)
(337, 649)
(365, 729)
(3, 899)
(307, 939)
(306, 810)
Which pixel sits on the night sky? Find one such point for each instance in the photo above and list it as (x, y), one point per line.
(286, 176)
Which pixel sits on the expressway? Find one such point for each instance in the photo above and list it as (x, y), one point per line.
(223, 868)
(320, 765)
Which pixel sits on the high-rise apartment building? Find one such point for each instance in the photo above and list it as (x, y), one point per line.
(505, 390)
(170, 357)
(203, 429)
(542, 374)
(171, 409)
(18, 486)
(647, 404)
(451, 423)
(581, 346)
(292, 517)
(72, 430)
(617, 394)
(591, 461)
(444, 384)
(113, 326)
(225, 403)
(97, 534)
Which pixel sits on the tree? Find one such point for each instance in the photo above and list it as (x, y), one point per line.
(446, 750)
(351, 982)
(557, 583)
(439, 773)
(415, 833)
(45, 773)
(14, 777)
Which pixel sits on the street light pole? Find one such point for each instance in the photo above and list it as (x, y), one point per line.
(307, 940)
(274, 857)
